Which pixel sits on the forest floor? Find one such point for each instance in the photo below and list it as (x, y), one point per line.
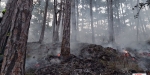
(89, 59)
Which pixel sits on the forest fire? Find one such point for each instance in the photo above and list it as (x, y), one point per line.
(128, 56)
(126, 53)
(144, 54)
(133, 58)
(80, 30)
(58, 54)
(100, 58)
(37, 65)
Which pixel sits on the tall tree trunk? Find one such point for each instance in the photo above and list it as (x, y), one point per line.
(82, 15)
(54, 21)
(65, 48)
(44, 23)
(62, 20)
(58, 23)
(61, 27)
(4, 30)
(137, 25)
(77, 19)
(119, 27)
(17, 17)
(53, 26)
(74, 28)
(110, 19)
(91, 14)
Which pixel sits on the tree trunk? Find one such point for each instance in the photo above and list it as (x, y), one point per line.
(53, 25)
(65, 48)
(4, 30)
(62, 20)
(91, 14)
(74, 28)
(44, 23)
(82, 16)
(77, 19)
(110, 19)
(119, 26)
(137, 25)
(17, 16)
(54, 21)
(58, 23)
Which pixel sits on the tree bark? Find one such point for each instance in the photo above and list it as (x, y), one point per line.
(4, 30)
(17, 16)
(65, 48)
(44, 23)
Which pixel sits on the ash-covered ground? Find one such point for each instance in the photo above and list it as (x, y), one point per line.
(88, 59)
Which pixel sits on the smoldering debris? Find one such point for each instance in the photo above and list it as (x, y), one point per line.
(92, 59)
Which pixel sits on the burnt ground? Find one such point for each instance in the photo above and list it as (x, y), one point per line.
(92, 60)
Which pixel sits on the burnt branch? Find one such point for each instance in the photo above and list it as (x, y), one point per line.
(140, 6)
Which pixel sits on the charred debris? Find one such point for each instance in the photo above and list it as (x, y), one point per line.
(93, 60)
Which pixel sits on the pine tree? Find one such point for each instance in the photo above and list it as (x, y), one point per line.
(110, 21)
(17, 18)
(92, 27)
(44, 23)
(65, 48)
